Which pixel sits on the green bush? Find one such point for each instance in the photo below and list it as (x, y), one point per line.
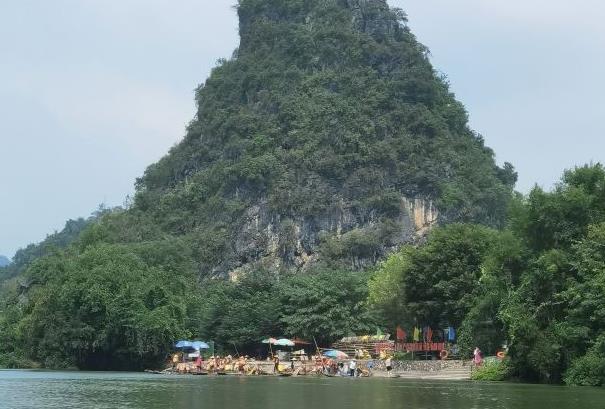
(492, 370)
(16, 361)
(588, 370)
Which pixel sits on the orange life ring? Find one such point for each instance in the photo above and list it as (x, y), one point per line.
(501, 355)
(443, 354)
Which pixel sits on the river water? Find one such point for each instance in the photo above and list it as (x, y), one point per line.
(39, 389)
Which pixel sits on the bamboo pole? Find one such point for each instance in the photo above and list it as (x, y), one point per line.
(323, 368)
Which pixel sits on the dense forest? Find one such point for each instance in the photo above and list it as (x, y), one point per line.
(536, 284)
(328, 185)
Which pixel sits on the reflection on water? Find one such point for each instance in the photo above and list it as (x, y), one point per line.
(38, 389)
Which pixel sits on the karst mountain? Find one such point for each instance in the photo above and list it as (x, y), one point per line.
(327, 138)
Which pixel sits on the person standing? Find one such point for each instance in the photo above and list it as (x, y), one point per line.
(175, 361)
(198, 363)
(276, 364)
(352, 367)
(478, 357)
(389, 365)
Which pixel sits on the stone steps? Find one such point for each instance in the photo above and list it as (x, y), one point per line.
(445, 374)
(455, 373)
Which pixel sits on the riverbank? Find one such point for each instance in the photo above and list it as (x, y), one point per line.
(442, 370)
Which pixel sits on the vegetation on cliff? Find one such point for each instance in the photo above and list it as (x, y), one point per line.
(328, 115)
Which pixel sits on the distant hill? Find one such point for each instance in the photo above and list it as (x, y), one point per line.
(58, 240)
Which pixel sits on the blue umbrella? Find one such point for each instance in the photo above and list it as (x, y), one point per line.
(197, 345)
(284, 342)
(334, 353)
(184, 344)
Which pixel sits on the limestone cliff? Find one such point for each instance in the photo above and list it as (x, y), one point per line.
(327, 139)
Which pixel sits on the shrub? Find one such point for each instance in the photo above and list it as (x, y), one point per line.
(492, 370)
(588, 370)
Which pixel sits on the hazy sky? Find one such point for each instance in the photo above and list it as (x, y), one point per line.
(92, 91)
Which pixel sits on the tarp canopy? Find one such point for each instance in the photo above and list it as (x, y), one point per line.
(191, 345)
(365, 338)
(197, 345)
(183, 344)
(334, 353)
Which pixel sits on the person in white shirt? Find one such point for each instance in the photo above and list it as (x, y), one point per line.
(353, 368)
(389, 364)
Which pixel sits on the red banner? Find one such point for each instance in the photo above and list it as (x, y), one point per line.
(420, 346)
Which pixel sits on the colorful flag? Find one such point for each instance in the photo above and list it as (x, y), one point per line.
(451, 334)
(416, 334)
(401, 335)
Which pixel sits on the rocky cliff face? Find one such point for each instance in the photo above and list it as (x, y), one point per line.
(328, 139)
(265, 239)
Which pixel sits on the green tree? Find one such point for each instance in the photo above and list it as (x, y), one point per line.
(110, 308)
(438, 282)
(326, 306)
(550, 315)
